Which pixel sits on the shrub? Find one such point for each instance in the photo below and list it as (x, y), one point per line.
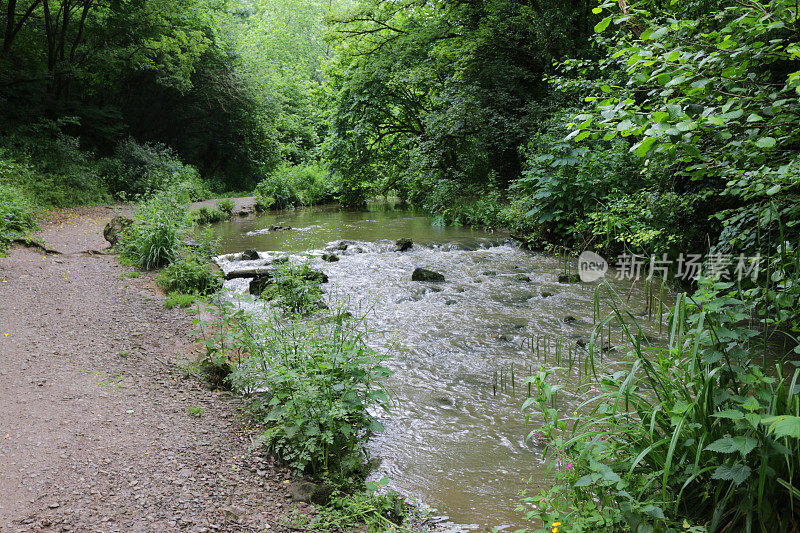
(312, 385)
(226, 206)
(16, 215)
(189, 274)
(207, 215)
(365, 510)
(143, 169)
(52, 169)
(695, 433)
(295, 288)
(291, 186)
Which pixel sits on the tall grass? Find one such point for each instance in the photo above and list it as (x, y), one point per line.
(695, 435)
(155, 240)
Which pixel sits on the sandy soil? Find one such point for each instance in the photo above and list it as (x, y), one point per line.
(94, 429)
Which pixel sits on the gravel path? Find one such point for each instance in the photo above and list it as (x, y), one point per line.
(94, 429)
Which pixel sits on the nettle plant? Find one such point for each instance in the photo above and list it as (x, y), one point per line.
(698, 435)
(313, 386)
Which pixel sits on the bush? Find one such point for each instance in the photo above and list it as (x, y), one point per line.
(226, 206)
(295, 288)
(189, 275)
(292, 186)
(143, 169)
(52, 169)
(312, 385)
(694, 434)
(16, 215)
(208, 215)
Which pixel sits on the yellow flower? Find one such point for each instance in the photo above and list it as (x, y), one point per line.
(556, 524)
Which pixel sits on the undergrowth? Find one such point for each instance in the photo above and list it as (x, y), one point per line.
(702, 434)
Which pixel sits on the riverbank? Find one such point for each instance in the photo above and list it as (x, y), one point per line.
(102, 428)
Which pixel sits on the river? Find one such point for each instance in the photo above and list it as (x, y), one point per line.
(455, 439)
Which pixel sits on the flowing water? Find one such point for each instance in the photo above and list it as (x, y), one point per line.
(455, 439)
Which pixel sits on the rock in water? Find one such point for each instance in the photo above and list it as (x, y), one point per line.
(330, 258)
(259, 284)
(315, 275)
(423, 274)
(250, 255)
(523, 278)
(114, 229)
(403, 245)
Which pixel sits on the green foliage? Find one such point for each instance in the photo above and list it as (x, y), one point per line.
(142, 169)
(311, 383)
(179, 299)
(50, 168)
(226, 206)
(16, 214)
(295, 288)
(368, 509)
(189, 274)
(294, 186)
(442, 91)
(192, 270)
(208, 215)
(195, 411)
(694, 433)
(714, 95)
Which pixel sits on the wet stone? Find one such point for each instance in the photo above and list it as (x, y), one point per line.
(423, 274)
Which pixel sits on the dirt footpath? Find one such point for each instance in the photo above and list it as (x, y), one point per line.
(95, 432)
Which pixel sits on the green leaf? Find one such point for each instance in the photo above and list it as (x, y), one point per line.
(737, 473)
(643, 147)
(723, 445)
(659, 33)
(775, 189)
(730, 414)
(597, 10)
(783, 426)
(603, 24)
(766, 142)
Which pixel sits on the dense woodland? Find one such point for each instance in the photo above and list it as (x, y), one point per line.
(648, 127)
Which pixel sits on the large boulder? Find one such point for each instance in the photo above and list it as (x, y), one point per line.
(423, 274)
(113, 230)
(403, 245)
